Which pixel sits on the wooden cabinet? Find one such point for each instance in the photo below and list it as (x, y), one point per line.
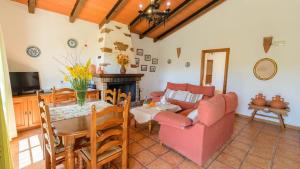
(27, 111)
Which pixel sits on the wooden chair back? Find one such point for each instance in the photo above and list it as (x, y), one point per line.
(47, 131)
(63, 95)
(111, 133)
(121, 97)
(110, 96)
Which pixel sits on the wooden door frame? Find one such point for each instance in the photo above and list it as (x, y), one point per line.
(227, 50)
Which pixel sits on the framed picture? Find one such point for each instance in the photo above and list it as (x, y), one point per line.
(147, 57)
(137, 61)
(139, 52)
(144, 68)
(154, 61)
(152, 68)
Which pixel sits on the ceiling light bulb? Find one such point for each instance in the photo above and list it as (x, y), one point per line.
(141, 6)
(168, 4)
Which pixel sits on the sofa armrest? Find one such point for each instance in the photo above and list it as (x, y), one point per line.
(157, 93)
(173, 119)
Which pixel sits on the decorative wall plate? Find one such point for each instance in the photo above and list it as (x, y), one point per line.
(33, 51)
(187, 64)
(169, 61)
(265, 69)
(72, 43)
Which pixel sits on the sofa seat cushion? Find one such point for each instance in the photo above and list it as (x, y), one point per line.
(177, 86)
(173, 119)
(212, 110)
(205, 90)
(231, 102)
(182, 104)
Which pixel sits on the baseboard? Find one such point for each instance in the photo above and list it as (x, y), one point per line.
(267, 121)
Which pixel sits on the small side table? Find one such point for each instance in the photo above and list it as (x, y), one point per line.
(267, 109)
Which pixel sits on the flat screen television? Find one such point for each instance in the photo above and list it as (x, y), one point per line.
(24, 82)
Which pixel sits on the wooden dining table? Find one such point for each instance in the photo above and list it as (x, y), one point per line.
(73, 122)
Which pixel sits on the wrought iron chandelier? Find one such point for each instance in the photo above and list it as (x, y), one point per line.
(153, 14)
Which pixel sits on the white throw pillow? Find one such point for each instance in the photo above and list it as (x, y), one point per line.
(180, 95)
(168, 94)
(193, 98)
(193, 115)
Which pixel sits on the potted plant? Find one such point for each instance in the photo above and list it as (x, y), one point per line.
(79, 76)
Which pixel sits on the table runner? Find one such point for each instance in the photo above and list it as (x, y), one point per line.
(74, 110)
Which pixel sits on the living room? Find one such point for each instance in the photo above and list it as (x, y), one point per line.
(42, 37)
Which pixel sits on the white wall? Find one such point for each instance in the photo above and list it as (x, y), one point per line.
(241, 26)
(151, 81)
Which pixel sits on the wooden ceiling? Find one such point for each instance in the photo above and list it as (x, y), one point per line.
(126, 12)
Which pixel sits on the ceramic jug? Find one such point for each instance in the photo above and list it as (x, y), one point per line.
(278, 102)
(260, 100)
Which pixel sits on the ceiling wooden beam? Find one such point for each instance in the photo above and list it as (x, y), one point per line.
(76, 10)
(31, 6)
(115, 9)
(199, 12)
(172, 13)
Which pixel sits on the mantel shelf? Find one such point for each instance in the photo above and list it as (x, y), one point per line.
(117, 75)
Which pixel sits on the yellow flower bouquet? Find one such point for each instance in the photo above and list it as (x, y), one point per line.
(122, 60)
(79, 76)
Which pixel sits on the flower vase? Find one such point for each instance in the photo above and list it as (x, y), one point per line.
(81, 96)
(123, 69)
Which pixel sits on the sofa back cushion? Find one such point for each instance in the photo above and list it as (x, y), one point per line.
(205, 90)
(177, 86)
(231, 102)
(211, 110)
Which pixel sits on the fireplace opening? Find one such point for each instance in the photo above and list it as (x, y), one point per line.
(125, 87)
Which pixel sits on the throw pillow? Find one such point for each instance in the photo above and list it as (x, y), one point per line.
(168, 94)
(193, 98)
(193, 115)
(180, 95)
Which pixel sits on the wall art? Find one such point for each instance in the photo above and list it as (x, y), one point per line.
(144, 68)
(265, 69)
(137, 61)
(72, 43)
(33, 51)
(187, 64)
(154, 61)
(267, 43)
(178, 50)
(152, 68)
(147, 57)
(139, 52)
(169, 61)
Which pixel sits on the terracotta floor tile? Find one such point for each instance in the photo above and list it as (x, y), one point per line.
(240, 145)
(159, 164)
(145, 157)
(133, 164)
(229, 160)
(218, 165)
(172, 158)
(284, 163)
(244, 139)
(235, 152)
(263, 152)
(135, 148)
(247, 165)
(158, 149)
(154, 137)
(187, 164)
(136, 136)
(258, 161)
(288, 154)
(146, 142)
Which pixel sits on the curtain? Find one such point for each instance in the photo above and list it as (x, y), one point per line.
(6, 93)
(5, 158)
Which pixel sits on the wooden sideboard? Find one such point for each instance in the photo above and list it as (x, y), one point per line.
(27, 111)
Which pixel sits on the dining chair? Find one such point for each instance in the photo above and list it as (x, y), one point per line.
(110, 96)
(53, 149)
(121, 97)
(112, 142)
(63, 95)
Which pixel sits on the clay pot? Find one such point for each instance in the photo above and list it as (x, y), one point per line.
(92, 69)
(278, 102)
(259, 100)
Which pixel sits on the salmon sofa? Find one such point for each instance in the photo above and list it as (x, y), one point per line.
(198, 140)
(186, 107)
